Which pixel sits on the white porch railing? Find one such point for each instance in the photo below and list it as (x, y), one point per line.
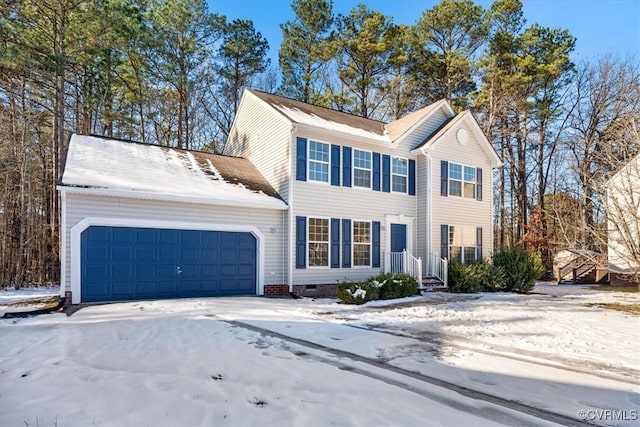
(438, 267)
(403, 262)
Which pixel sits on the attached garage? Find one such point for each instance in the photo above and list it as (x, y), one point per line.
(146, 222)
(128, 263)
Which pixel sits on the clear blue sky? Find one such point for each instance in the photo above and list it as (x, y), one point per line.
(600, 26)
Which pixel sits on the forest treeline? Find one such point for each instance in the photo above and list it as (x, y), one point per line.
(171, 72)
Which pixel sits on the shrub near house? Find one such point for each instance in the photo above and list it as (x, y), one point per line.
(383, 286)
(513, 270)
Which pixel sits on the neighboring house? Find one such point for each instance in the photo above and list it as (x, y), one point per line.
(304, 198)
(623, 215)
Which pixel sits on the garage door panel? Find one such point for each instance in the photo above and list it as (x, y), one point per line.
(126, 263)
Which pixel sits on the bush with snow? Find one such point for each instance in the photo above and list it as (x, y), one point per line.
(396, 285)
(383, 286)
(357, 293)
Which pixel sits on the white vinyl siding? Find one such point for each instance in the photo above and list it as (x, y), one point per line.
(318, 242)
(272, 224)
(399, 174)
(262, 136)
(318, 161)
(327, 201)
(361, 231)
(461, 211)
(361, 168)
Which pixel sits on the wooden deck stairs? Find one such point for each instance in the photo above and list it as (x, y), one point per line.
(586, 267)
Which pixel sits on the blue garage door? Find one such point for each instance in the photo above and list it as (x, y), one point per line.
(124, 263)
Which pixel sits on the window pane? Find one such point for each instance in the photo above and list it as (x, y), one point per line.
(455, 253)
(399, 166)
(455, 236)
(319, 151)
(469, 237)
(362, 178)
(318, 254)
(469, 254)
(361, 232)
(455, 171)
(318, 171)
(318, 230)
(469, 174)
(469, 190)
(362, 159)
(399, 183)
(455, 188)
(361, 254)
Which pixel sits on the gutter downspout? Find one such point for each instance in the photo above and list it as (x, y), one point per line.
(290, 210)
(425, 150)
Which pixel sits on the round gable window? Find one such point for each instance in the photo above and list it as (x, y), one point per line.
(463, 136)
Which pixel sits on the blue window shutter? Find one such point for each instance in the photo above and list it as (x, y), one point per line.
(479, 242)
(335, 243)
(376, 171)
(412, 177)
(301, 242)
(375, 244)
(346, 243)
(301, 159)
(346, 166)
(444, 178)
(386, 173)
(479, 184)
(444, 241)
(335, 165)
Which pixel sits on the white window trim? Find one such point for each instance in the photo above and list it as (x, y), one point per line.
(353, 243)
(462, 181)
(76, 233)
(406, 176)
(309, 160)
(319, 267)
(462, 246)
(354, 167)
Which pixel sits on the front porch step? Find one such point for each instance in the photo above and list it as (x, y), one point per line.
(432, 284)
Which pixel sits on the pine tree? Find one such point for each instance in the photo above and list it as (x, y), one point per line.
(307, 45)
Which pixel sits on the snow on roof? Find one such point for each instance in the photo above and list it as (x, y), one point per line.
(328, 119)
(142, 170)
(324, 118)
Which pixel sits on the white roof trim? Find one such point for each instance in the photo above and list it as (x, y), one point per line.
(274, 204)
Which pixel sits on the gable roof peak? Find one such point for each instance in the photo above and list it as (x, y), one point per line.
(401, 126)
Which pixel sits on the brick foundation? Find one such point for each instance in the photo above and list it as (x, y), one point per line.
(67, 299)
(319, 291)
(276, 290)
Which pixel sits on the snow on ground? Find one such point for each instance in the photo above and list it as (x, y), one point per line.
(12, 296)
(176, 363)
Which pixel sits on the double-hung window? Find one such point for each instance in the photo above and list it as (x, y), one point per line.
(462, 181)
(318, 242)
(399, 173)
(318, 161)
(361, 168)
(462, 244)
(361, 243)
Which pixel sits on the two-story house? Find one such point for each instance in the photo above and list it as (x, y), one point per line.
(303, 198)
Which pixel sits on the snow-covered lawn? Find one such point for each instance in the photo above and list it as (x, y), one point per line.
(192, 362)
